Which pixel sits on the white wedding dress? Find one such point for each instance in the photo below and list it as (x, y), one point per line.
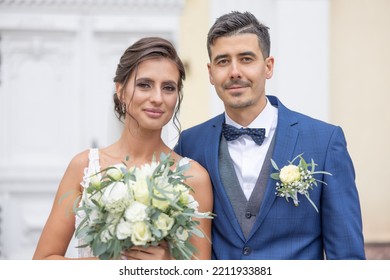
(93, 168)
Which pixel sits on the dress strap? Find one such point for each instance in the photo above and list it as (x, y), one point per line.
(93, 166)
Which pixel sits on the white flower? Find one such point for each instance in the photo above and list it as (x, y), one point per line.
(116, 197)
(182, 233)
(136, 212)
(95, 181)
(183, 161)
(141, 192)
(123, 230)
(164, 223)
(140, 205)
(163, 201)
(296, 180)
(87, 198)
(184, 193)
(107, 234)
(140, 233)
(95, 214)
(115, 172)
(192, 203)
(289, 174)
(145, 171)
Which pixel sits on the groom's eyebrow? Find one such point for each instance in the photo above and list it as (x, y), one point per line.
(246, 53)
(220, 56)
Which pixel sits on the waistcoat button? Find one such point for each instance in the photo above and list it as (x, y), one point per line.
(246, 251)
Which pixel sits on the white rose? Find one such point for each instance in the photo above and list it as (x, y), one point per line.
(289, 174)
(182, 234)
(95, 181)
(136, 212)
(116, 197)
(115, 173)
(164, 200)
(141, 192)
(140, 234)
(161, 203)
(184, 194)
(164, 223)
(123, 230)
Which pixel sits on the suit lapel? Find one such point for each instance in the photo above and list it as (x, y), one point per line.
(285, 140)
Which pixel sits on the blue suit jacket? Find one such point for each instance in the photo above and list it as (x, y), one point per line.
(282, 230)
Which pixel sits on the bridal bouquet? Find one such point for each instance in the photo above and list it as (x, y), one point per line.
(139, 206)
(296, 179)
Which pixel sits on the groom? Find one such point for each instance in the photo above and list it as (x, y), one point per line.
(251, 221)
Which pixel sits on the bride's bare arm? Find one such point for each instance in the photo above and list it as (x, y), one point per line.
(201, 184)
(60, 225)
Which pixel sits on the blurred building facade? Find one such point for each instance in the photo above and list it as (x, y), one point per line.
(58, 59)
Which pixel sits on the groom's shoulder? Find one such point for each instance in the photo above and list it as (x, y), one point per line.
(305, 120)
(315, 123)
(204, 126)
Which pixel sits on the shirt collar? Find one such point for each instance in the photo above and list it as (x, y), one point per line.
(264, 120)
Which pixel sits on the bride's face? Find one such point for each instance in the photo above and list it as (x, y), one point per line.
(151, 94)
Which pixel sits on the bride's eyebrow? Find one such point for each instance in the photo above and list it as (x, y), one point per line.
(144, 79)
(169, 82)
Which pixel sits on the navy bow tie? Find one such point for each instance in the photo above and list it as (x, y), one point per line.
(232, 133)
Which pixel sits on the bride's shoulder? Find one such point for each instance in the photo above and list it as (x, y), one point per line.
(79, 161)
(196, 171)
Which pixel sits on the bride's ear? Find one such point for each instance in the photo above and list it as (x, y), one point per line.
(118, 91)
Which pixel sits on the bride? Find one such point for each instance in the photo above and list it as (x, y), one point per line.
(149, 79)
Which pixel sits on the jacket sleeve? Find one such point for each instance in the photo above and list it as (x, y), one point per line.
(341, 213)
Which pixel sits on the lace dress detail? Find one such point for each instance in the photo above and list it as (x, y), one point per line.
(93, 168)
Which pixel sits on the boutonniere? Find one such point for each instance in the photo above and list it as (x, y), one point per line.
(296, 179)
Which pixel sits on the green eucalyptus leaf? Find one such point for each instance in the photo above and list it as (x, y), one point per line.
(275, 176)
(275, 166)
(197, 232)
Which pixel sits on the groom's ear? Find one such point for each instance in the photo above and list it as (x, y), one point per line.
(210, 75)
(269, 65)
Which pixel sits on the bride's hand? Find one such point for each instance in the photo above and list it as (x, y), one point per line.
(160, 252)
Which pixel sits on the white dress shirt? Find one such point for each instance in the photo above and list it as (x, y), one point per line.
(247, 156)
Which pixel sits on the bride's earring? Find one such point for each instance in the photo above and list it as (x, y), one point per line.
(124, 108)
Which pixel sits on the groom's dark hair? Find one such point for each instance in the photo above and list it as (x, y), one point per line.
(235, 23)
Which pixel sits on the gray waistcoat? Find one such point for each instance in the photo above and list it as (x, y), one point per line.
(246, 210)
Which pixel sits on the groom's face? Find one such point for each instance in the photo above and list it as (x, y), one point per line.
(239, 71)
